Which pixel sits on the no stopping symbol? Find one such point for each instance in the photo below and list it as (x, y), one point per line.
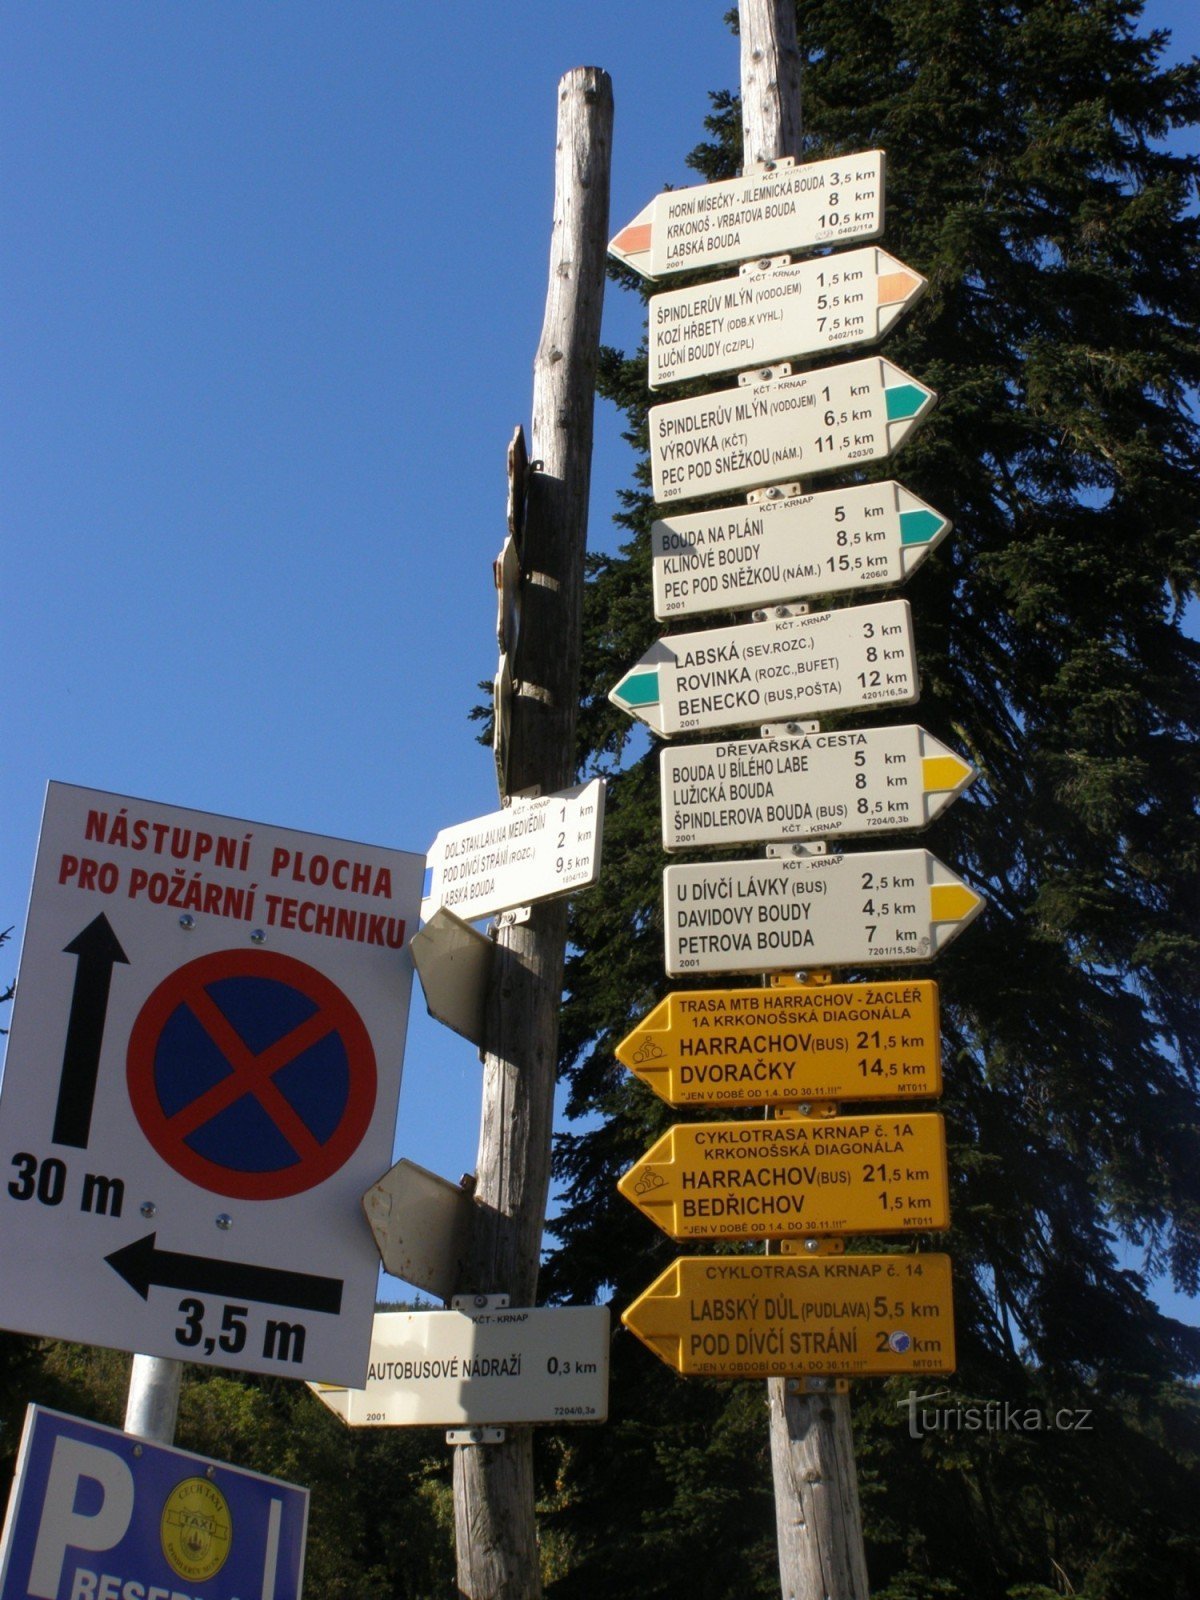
(251, 1074)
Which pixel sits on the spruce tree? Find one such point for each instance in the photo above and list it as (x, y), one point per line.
(1029, 182)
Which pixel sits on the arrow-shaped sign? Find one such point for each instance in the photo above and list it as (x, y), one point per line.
(532, 850)
(786, 427)
(872, 535)
(776, 1316)
(143, 1267)
(812, 911)
(98, 949)
(799, 666)
(795, 1176)
(782, 1046)
(760, 214)
(807, 786)
(778, 312)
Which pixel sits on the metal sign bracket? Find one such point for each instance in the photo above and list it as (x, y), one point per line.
(781, 611)
(478, 1303)
(772, 165)
(781, 369)
(807, 847)
(820, 1245)
(511, 918)
(776, 491)
(818, 1385)
(765, 264)
(788, 730)
(475, 1436)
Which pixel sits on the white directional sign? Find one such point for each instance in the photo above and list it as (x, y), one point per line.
(851, 910)
(787, 427)
(451, 1369)
(532, 850)
(761, 214)
(778, 312)
(806, 786)
(201, 1082)
(871, 535)
(786, 667)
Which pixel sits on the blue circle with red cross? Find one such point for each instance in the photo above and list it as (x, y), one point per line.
(251, 1074)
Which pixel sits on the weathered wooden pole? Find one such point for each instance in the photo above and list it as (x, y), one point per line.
(493, 1484)
(817, 1515)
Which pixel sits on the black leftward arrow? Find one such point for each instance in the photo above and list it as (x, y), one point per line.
(98, 950)
(143, 1266)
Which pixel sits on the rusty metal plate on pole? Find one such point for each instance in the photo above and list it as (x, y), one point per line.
(422, 1226)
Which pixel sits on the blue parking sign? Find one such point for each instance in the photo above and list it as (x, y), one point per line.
(96, 1514)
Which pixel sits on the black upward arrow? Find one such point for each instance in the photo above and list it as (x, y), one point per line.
(143, 1266)
(98, 950)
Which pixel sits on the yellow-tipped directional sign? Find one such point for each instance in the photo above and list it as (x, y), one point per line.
(783, 1316)
(794, 1177)
(806, 786)
(812, 911)
(752, 1047)
(741, 219)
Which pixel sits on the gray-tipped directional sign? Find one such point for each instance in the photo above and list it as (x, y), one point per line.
(806, 786)
(812, 911)
(785, 427)
(778, 311)
(787, 667)
(758, 215)
(870, 536)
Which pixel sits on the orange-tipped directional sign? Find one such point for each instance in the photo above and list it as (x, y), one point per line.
(776, 311)
(782, 1316)
(758, 215)
(771, 1047)
(795, 1177)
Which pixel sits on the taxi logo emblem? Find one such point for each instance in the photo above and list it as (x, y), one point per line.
(196, 1529)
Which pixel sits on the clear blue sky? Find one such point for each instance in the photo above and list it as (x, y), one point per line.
(273, 278)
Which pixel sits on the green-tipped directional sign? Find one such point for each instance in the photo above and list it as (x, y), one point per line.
(760, 214)
(778, 311)
(812, 911)
(786, 667)
(787, 427)
(806, 786)
(868, 536)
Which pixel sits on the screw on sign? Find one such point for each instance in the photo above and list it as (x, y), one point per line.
(251, 1074)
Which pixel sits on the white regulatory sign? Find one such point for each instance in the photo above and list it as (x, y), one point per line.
(787, 427)
(851, 910)
(806, 786)
(761, 214)
(868, 536)
(451, 1369)
(778, 312)
(799, 666)
(201, 1081)
(532, 850)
